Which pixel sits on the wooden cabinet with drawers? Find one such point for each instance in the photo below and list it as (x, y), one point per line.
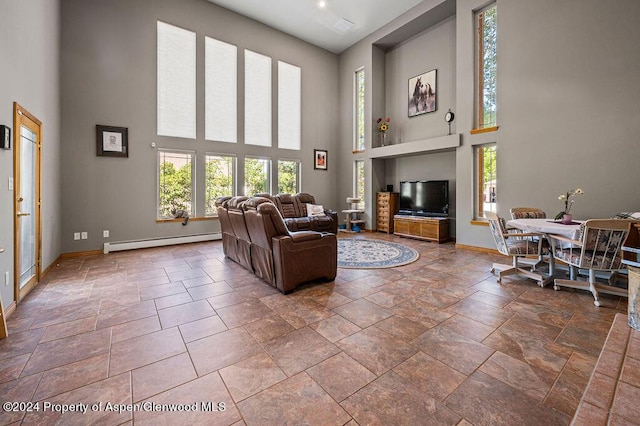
(423, 228)
(387, 205)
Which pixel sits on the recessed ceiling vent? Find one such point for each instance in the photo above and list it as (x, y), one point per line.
(343, 25)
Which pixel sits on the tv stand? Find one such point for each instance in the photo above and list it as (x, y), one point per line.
(422, 228)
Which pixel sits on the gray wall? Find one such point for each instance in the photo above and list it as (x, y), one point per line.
(109, 78)
(29, 75)
(567, 95)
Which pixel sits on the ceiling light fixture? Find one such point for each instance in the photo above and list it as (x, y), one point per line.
(322, 4)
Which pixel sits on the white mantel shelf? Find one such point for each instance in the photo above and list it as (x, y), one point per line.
(423, 146)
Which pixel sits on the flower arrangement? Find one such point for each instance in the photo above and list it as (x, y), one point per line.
(568, 202)
(383, 124)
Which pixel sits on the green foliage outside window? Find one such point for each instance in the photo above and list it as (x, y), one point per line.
(488, 34)
(175, 184)
(256, 176)
(288, 172)
(360, 182)
(359, 111)
(219, 180)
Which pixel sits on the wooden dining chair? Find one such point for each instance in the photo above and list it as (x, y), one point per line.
(599, 248)
(527, 213)
(518, 245)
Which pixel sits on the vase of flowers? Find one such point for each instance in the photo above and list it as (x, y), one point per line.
(565, 215)
(383, 126)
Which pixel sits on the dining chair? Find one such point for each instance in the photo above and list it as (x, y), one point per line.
(527, 213)
(599, 248)
(518, 245)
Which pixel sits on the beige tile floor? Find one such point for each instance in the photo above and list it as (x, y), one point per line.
(438, 341)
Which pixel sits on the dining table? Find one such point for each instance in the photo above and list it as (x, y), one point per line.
(548, 228)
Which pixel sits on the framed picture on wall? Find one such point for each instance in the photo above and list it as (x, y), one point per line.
(319, 159)
(112, 141)
(422, 93)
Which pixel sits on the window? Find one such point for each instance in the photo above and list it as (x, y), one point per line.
(257, 99)
(289, 105)
(486, 44)
(219, 180)
(359, 182)
(257, 178)
(359, 109)
(221, 87)
(288, 176)
(175, 182)
(176, 89)
(486, 189)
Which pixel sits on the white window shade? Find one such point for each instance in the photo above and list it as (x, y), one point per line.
(221, 98)
(257, 99)
(176, 81)
(289, 105)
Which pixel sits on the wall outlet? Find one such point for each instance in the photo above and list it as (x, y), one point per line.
(6, 278)
(84, 235)
(105, 233)
(76, 236)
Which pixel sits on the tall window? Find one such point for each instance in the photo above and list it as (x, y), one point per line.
(359, 109)
(288, 176)
(257, 176)
(257, 99)
(175, 182)
(219, 180)
(486, 44)
(289, 105)
(486, 189)
(221, 91)
(359, 182)
(176, 89)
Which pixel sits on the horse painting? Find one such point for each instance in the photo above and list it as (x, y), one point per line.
(422, 96)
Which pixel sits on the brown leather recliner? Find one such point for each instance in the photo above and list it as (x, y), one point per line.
(229, 239)
(239, 227)
(326, 223)
(287, 259)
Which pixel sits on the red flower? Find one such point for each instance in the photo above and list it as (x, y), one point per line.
(388, 119)
(378, 120)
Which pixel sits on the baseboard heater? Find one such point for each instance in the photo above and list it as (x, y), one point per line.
(159, 242)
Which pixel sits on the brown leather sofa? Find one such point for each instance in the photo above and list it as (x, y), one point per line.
(280, 257)
(293, 209)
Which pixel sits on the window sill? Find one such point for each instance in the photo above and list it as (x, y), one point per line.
(479, 222)
(484, 130)
(181, 219)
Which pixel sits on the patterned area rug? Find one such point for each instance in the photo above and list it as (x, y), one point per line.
(369, 254)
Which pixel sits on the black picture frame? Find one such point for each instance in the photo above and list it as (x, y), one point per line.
(320, 159)
(422, 94)
(112, 141)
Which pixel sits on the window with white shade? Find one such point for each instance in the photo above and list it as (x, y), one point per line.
(289, 105)
(176, 91)
(221, 91)
(257, 99)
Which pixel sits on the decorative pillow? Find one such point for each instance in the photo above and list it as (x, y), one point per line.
(315, 210)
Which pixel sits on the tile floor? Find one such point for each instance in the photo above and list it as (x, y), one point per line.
(438, 342)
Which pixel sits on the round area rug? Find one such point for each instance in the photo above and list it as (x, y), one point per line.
(368, 254)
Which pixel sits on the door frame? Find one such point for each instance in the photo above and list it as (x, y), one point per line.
(23, 117)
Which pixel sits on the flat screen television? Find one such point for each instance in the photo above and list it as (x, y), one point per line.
(424, 198)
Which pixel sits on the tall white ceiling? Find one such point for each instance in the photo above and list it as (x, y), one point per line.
(305, 20)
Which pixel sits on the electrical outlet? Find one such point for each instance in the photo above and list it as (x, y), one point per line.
(105, 233)
(76, 236)
(6, 278)
(84, 236)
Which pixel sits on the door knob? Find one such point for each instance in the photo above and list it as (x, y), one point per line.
(23, 214)
(20, 199)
